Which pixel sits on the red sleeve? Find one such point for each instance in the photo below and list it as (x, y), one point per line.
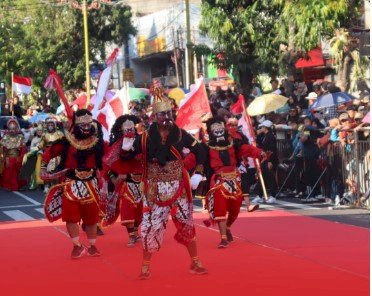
(249, 151)
(189, 161)
(57, 150)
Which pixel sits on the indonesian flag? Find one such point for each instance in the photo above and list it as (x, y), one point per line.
(193, 107)
(238, 107)
(114, 106)
(104, 81)
(53, 81)
(22, 85)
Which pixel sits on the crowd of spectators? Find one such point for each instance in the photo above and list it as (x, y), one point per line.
(301, 140)
(305, 141)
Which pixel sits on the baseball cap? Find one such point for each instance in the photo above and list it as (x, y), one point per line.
(266, 123)
(312, 96)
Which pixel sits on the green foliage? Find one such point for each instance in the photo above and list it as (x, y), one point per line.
(36, 36)
(346, 58)
(249, 32)
(243, 31)
(307, 22)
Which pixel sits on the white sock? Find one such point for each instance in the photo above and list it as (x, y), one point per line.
(76, 241)
(92, 241)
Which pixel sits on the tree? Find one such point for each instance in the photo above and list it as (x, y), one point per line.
(243, 34)
(350, 66)
(266, 35)
(303, 24)
(51, 36)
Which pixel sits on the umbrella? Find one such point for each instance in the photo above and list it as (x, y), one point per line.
(40, 116)
(367, 118)
(135, 94)
(266, 104)
(177, 94)
(331, 99)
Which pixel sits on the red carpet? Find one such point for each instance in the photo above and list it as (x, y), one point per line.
(274, 253)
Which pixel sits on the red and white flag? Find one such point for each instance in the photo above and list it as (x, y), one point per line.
(22, 85)
(238, 107)
(104, 81)
(53, 81)
(193, 107)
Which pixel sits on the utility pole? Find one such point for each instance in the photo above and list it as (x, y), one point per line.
(189, 60)
(175, 58)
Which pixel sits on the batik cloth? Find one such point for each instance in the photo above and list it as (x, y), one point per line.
(131, 201)
(167, 194)
(224, 199)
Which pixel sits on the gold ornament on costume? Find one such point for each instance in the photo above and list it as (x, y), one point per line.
(85, 119)
(161, 102)
(81, 144)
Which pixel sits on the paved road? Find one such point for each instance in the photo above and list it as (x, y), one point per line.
(28, 205)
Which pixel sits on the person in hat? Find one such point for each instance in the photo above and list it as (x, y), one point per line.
(224, 198)
(310, 154)
(34, 148)
(245, 164)
(166, 183)
(77, 198)
(51, 135)
(12, 150)
(311, 98)
(266, 141)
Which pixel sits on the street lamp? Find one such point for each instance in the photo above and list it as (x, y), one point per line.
(84, 7)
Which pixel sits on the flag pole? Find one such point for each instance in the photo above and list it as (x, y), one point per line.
(86, 46)
(256, 161)
(12, 97)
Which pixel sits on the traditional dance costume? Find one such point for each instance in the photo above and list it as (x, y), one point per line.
(224, 197)
(166, 183)
(77, 196)
(12, 150)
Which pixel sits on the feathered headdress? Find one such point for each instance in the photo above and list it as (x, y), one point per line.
(161, 102)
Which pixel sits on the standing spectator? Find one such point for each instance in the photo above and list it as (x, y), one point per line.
(310, 156)
(267, 142)
(300, 94)
(275, 87)
(311, 98)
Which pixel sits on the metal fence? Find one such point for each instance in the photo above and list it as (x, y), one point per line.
(345, 168)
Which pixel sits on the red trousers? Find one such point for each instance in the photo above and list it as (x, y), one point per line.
(130, 212)
(74, 211)
(9, 178)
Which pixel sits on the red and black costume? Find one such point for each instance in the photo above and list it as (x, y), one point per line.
(76, 198)
(224, 197)
(126, 176)
(166, 182)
